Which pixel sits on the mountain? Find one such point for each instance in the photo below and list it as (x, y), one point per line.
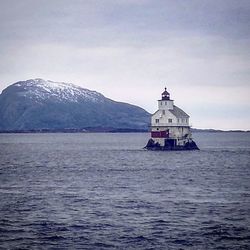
(38, 104)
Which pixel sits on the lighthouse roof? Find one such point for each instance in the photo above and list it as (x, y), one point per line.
(179, 113)
(165, 92)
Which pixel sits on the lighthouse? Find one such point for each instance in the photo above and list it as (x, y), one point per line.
(170, 128)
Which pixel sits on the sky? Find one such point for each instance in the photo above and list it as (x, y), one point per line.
(129, 50)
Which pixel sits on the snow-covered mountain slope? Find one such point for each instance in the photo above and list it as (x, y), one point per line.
(38, 104)
(45, 89)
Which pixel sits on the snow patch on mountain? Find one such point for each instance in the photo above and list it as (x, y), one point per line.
(45, 89)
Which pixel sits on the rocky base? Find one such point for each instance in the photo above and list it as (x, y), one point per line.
(152, 145)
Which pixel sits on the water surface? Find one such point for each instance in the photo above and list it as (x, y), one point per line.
(103, 191)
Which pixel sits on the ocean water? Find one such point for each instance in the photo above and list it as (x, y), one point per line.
(103, 191)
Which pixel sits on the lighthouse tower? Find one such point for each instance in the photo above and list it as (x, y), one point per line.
(170, 128)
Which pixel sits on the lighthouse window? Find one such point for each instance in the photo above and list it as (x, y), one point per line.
(163, 112)
(156, 120)
(178, 120)
(170, 120)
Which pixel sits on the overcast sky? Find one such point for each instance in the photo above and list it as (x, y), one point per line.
(129, 50)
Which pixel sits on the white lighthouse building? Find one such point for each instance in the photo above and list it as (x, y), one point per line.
(170, 128)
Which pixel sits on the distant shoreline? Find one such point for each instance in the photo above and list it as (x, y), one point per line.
(197, 130)
(87, 130)
(109, 130)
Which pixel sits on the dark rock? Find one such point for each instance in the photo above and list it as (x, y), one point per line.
(191, 146)
(152, 145)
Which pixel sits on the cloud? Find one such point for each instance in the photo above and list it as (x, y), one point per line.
(141, 20)
(119, 67)
(129, 50)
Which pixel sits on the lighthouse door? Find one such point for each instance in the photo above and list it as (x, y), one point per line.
(170, 143)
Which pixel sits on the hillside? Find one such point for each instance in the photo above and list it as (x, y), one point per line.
(38, 104)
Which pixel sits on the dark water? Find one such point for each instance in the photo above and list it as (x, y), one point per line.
(102, 191)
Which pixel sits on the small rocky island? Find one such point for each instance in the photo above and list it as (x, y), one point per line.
(170, 128)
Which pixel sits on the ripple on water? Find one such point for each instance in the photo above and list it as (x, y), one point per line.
(64, 194)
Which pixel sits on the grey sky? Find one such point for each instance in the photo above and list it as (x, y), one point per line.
(129, 50)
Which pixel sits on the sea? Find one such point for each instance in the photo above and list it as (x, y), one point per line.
(104, 191)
